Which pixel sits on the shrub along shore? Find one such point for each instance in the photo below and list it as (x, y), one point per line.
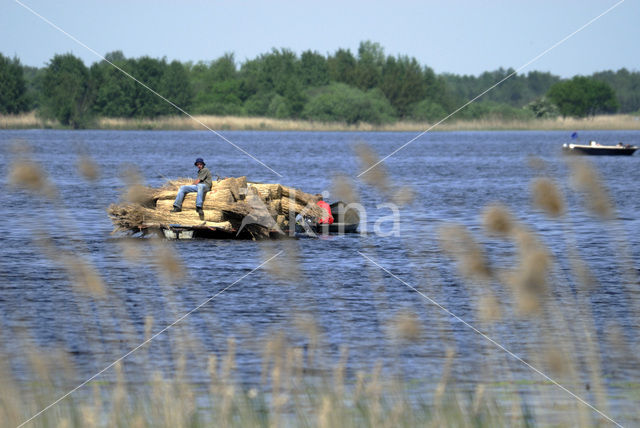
(600, 122)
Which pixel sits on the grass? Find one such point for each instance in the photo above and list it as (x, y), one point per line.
(602, 122)
(298, 387)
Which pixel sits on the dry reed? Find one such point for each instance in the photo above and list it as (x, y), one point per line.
(601, 122)
(587, 180)
(548, 197)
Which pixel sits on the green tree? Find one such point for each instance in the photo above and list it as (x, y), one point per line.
(582, 97)
(150, 71)
(540, 82)
(427, 110)
(542, 108)
(217, 87)
(66, 91)
(176, 86)
(341, 102)
(368, 71)
(516, 91)
(626, 85)
(115, 92)
(314, 70)
(33, 77)
(13, 88)
(342, 67)
(222, 98)
(118, 95)
(268, 78)
(403, 83)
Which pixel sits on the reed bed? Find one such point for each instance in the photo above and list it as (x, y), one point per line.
(25, 121)
(601, 122)
(200, 122)
(300, 384)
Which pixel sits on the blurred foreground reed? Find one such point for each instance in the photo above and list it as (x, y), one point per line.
(301, 385)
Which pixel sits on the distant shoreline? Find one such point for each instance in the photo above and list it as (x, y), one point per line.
(228, 123)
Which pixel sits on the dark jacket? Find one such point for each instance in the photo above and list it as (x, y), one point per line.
(204, 175)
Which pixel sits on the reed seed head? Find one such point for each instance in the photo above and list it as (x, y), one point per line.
(375, 175)
(406, 327)
(470, 258)
(548, 197)
(131, 249)
(530, 282)
(28, 175)
(168, 262)
(537, 163)
(585, 279)
(148, 326)
(84, 275)
(557, 361)
(343, 189)
(497, 220)
(282, 262)
(405, 195)
(586, 179)
(136, 192)
(529, 279)
(88, 168)
(489, 308)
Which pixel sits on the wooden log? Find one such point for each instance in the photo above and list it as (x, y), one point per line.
(234, 210)
(275, 207)
(189, 203)
(237, 186)
(268, 191)
(299, 196)
(167, 194)
(224, 225)
(290, 208)
(184, 217)
(252, 192)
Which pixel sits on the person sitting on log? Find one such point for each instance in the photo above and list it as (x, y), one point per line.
(202, 184)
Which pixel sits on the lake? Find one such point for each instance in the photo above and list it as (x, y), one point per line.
(351, 301)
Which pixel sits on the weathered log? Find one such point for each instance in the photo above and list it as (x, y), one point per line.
(290, 208)
(237, 186)
(187, 216)
(237, 210)
(299, 196)
(267, 191)
(224, 225)
(275, 207)
(210, 199)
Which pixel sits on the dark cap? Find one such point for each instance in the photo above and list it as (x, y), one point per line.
(199, 160)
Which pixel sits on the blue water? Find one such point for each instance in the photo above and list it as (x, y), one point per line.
(454, 175)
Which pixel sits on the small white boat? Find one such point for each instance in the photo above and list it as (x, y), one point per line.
(594, 148)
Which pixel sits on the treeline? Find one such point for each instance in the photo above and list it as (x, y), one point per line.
(368, 86)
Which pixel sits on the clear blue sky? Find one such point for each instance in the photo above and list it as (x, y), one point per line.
(462, 37)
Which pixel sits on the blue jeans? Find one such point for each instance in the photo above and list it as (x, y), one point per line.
(201, 188)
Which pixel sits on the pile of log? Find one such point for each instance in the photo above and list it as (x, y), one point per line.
(233, 205)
